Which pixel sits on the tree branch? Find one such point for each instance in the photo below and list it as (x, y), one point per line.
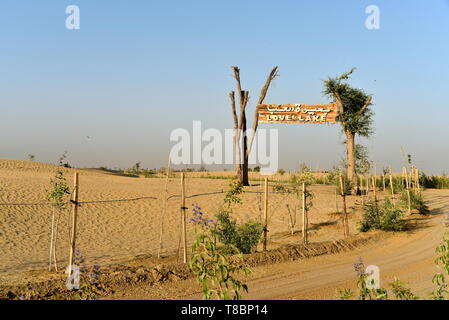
(273, 74)
(367, 103)
(234, 112)
(340, 108)
(236, 128)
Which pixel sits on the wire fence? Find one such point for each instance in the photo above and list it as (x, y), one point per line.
(111, 230)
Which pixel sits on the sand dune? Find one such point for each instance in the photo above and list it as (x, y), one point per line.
(113, 231)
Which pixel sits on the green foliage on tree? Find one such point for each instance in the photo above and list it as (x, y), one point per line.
(354, 115)
(59, 188)
(232, 196)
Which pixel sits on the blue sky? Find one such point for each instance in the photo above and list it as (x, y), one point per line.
(138, 69)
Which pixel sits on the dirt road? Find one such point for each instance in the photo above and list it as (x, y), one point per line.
(408, 256)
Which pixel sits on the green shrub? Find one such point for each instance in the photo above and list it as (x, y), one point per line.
(440, 280)
(304, 175)
(434, 182)
(226, 231)
(244, 237)
(279, 188)
(232, 196)
(401, 292)
(417, 202)
(248, 236)
(214, 272)
(347, 185)
(147, 173)
(383, 216)
(281, 171)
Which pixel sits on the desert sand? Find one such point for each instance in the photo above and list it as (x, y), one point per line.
(110, 232)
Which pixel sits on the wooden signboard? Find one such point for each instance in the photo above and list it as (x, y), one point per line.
(297, 113)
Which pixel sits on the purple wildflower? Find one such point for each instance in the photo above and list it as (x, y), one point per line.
(359, 267)
(198, 217)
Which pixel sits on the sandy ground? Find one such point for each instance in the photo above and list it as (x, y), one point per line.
(116, 231)
(408, 256)
(120, 231)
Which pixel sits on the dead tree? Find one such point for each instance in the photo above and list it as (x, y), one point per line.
(240, 124)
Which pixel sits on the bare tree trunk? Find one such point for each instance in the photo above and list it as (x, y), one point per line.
(242, 154)
(350, 153)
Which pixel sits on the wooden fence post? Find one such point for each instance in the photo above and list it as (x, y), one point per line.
(367, 186)
(336, 201)
(265, 227)
(183, 218)
(164, 212)
(74, 220)
(374, 190)
(417, 178)
(391, 186)
(345, 213)
(402, 178)
(305, 221)
(51, 240)
(407, 186)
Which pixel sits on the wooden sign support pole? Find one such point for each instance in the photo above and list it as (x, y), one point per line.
(183, 219)
(74, 220)
(265, 229)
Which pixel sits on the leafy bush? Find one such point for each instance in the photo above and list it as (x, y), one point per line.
(440, 279)
(434, 182)
(347, 185)
(417, 202)
(279, 188)
(214, 272)
(401, 292)
(304, 175)
(281, 171)
(232, 196)
(244, 237)
(333, 176)
(384, 216)
(148, 173)
(248, 236)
